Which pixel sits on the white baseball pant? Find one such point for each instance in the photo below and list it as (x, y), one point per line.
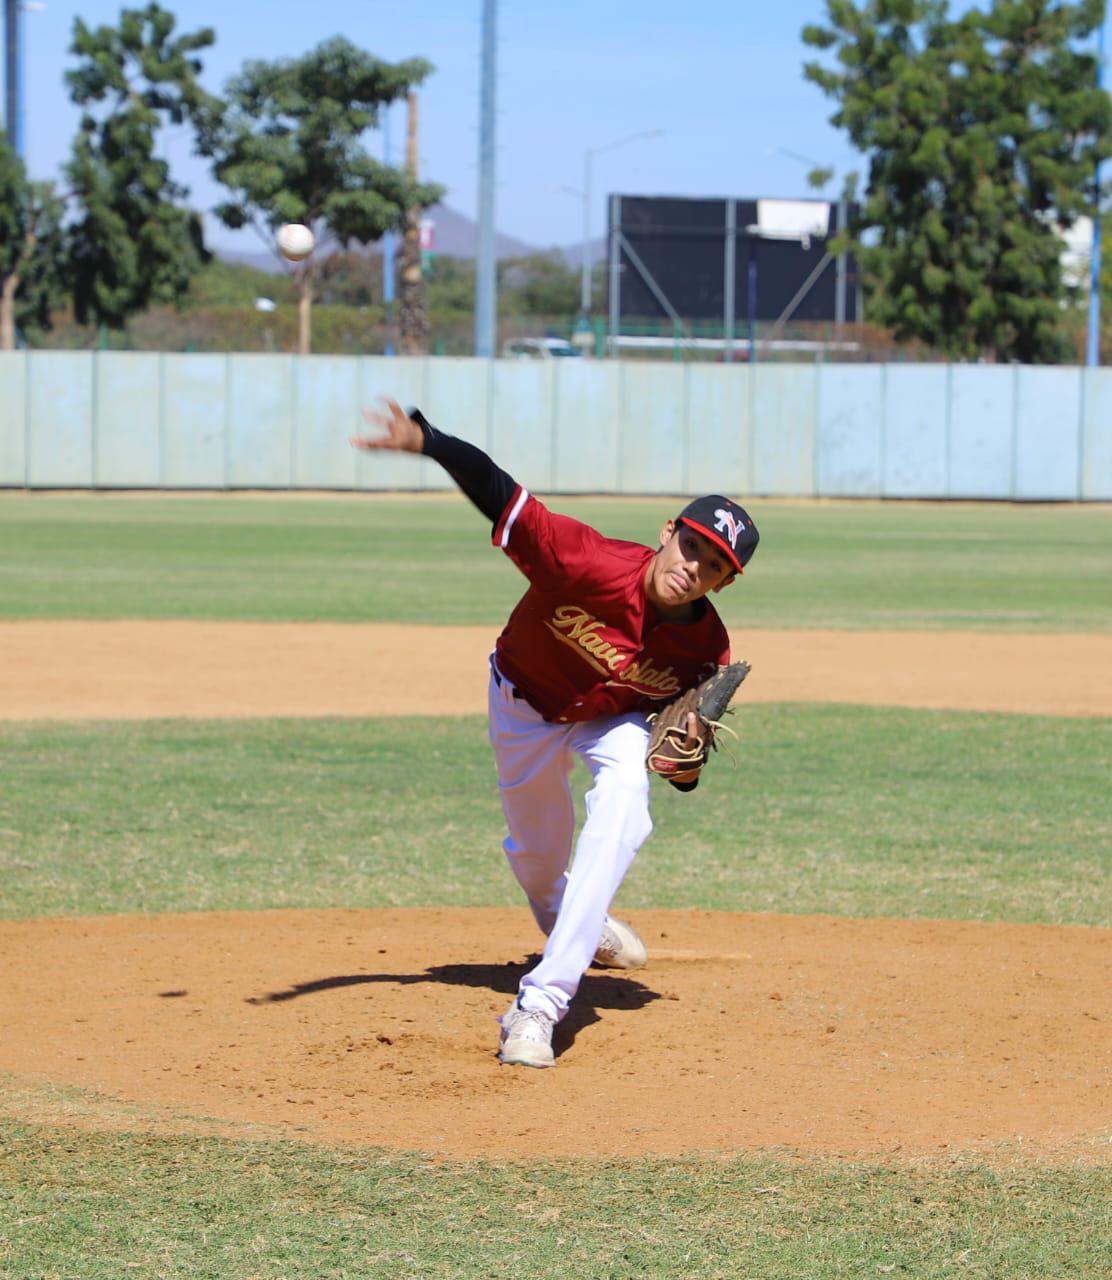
(534, 759)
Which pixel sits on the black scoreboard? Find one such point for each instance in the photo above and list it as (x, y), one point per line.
(732, 259)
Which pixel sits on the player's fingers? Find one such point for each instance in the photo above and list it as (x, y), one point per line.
(375, 419)
(692, 730)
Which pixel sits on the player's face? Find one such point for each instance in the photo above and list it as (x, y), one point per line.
(686, 567)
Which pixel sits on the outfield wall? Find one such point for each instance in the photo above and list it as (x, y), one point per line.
(160, 420)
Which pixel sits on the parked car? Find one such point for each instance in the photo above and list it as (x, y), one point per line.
(539, 349)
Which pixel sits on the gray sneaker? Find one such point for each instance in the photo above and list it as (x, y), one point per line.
(526, 1038)
(620, 946)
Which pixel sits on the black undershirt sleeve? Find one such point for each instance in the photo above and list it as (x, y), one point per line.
(487, 485)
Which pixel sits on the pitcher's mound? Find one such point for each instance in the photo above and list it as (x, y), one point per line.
(861, 1038)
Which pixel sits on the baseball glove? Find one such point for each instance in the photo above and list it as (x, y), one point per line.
(669, 751)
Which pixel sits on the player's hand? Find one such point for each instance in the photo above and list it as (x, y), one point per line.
(689, 775)
(394, 429)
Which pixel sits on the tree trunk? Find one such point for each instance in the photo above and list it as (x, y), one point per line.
(412, 318)
(7, 312)
(304, 312)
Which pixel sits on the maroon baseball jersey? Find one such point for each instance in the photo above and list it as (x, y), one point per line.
(584, 641)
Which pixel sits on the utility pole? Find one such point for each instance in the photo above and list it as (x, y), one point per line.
(485, 268)
(1092, 346)
(413, 318)
(13, 124)
(388, 243)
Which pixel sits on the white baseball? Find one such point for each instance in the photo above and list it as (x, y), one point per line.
(295, 241)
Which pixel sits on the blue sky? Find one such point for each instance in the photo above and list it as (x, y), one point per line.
(723, 80)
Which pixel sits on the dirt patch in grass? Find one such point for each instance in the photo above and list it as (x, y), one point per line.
(129, 670)
(861, 1038)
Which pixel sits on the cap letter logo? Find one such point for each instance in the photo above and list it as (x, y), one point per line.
(725, 523)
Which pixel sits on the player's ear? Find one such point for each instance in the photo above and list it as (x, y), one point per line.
(724, 583)
(666, 532)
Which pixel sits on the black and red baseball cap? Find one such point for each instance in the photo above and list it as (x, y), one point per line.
(726, 525)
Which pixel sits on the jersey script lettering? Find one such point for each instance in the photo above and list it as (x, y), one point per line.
(582, 630)
(574, 626)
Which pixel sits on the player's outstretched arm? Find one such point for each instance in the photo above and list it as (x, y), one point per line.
(487, 485)
(393, 429)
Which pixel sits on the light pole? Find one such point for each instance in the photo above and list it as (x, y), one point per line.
(486, 270)
(840, 261)
(12, 123)
(13, 71)
(588, 162)
(1092, 345)
(388, 243)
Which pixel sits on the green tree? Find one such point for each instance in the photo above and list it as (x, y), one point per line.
(982, 133)
(350, 279)
(290, 150)
(542, 284)
(30, 249)
(132, 242)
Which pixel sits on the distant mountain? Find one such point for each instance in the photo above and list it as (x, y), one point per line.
(454, 236)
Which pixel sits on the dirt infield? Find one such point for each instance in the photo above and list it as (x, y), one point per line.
(128, 670)
(862, 1038)
(813, 1034)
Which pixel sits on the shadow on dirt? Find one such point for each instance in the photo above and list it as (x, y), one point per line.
(596, 991)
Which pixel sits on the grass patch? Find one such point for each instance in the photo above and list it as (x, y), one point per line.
(854, 811)
(100, 1205)
(388, 558)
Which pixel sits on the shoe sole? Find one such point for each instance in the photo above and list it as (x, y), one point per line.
(596, 963)
(524, 1062)
(511, 1059)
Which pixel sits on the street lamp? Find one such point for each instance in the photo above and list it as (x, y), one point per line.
(588, 161)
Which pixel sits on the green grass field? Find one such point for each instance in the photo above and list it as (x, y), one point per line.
(857, 811)
(373, 559)
(851, 810)
(93, 1205)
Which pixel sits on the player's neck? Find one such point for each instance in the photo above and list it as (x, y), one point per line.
(692, 611)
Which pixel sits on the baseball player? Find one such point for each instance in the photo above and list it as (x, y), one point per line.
(606, 631)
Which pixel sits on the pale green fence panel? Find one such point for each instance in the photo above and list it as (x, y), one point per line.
(522, 430)
(718, 430)
(1096, 457)
(1047, 434)
(982, 432)
(326, 415)
(916, 409)
(79, 419)
(59, 407)
(785, 404)
(127, 411)
(194, 421)
(260, 422)
(588, 412)
(652, 450)
(850, 430)
(13, 418)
